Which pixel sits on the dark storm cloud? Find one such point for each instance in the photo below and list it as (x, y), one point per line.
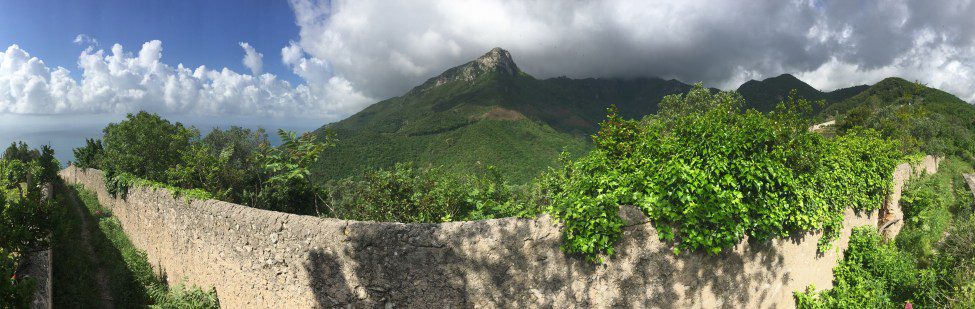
(385, 47)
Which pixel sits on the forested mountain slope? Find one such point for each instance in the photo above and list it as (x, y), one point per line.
(765, 94)
(486, 112)
(921, 118)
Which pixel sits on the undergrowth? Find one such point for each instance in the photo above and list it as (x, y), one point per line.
(931, 262)
(134, 283)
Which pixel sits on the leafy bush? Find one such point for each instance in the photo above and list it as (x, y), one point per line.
(409, 194)
(872, 274)
(708, 175)
(930, 264)
(14, 292)
(25, 219)
(144, 145)
(236, 165)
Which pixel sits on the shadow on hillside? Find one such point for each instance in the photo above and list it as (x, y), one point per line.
(505, 263)
(122, 283)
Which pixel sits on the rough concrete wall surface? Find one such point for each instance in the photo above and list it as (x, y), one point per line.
(259, 258)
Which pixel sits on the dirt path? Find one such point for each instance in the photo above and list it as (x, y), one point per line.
(101, 277)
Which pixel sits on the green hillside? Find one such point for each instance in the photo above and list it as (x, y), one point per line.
(923, 119)
(485, 113)
(764, 95)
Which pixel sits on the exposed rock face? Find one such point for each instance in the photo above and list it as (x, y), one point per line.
(496, 60)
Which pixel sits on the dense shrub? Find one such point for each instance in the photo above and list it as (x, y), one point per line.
(235, 165)
(872, 274)
(410, 194)
(708, 175)
(25, 219)
(930, 264)
(145, 145)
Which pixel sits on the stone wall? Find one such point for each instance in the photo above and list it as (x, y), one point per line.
(891, 217)
(258, 258)
(36, 264)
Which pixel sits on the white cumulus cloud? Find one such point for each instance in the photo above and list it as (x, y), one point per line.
(117, 81)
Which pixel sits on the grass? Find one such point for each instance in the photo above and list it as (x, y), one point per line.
(931, 204)
(74, 281)
(133, 283)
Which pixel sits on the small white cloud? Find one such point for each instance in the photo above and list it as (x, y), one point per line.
(253, 60)
(84, 39)
(291, 54)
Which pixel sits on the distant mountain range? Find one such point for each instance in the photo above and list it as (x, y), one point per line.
(487, 112)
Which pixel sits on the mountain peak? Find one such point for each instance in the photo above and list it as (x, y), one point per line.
(499, 60)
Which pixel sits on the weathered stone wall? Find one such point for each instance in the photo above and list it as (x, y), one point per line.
(891, 217)
(258, 258)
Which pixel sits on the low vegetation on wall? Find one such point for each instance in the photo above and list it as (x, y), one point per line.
(931, 263)
(25, 218)
(708, 175)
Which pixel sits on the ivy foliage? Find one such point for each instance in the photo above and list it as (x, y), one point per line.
(708, 174)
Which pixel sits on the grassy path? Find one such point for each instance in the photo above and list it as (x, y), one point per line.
(101, 276)
(97, 266)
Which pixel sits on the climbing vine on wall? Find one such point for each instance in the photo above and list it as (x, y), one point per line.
(708, 174)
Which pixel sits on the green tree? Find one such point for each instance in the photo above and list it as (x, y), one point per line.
(223, 163)
(89, 156)
(21, 152)
(285, 184)
(145, 145)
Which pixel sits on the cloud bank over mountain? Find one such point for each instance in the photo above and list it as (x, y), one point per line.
(349, 54)
(117, 81)
(385, 47)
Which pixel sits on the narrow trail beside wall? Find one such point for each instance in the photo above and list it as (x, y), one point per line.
(101, 277)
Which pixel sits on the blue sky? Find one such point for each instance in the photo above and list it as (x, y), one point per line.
(193, 32)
